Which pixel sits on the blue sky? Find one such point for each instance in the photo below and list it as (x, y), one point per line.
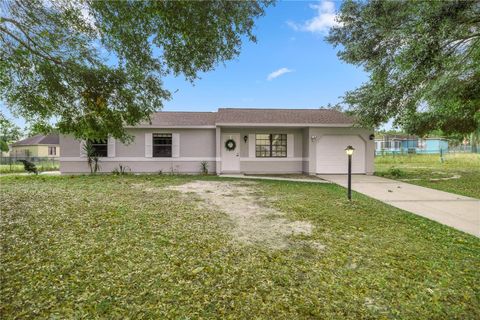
(290, 66)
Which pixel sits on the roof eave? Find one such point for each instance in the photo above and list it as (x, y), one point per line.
(153, 126)
(302, 125)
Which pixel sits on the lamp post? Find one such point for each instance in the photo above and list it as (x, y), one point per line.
(349, 151)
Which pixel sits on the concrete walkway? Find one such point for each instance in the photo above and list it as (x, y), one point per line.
(459, 212)
(241, 176)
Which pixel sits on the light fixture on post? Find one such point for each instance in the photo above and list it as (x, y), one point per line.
(349, 151)
(313, 138)
(245, 138)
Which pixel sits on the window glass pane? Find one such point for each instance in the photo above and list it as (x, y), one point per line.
(162, 138)
(162, 151)
(271, 145)
(162, 145)
(100, 147)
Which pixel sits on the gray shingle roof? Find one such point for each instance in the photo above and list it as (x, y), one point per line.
(249, 116)
(167, 118)
(39, 139)
(286, 116)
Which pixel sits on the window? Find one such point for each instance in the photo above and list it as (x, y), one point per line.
(52, 151)
(162, 145)
(270, 145)
(100, 147)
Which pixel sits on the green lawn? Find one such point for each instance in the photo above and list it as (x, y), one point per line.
(119, 247)
(17, 168)
(458, 173)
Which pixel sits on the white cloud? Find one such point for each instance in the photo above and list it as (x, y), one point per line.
(278, 73)
(322, 22)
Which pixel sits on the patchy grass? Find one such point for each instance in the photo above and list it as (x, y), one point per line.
(458, 173)
(126, 247)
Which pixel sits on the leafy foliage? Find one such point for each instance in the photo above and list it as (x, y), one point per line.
(423, 58)
(92, 157)
(204, 167)
(121, 170)
(9, 133)
(96, 66)
(43, 128)
(29, 166)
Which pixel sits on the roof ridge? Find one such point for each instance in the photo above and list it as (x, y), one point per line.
(185, 112)
(283, 109)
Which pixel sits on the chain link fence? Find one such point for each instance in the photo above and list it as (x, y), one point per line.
(12, 165)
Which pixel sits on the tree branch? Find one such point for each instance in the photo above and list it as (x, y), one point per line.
(30, 48)
(25, 33)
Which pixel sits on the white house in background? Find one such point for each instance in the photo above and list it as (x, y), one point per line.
(233, 140)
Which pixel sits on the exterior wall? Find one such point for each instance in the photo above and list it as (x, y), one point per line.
(435, 145)
(107, 165)
(269, 165)
(196, 145)
(284, 166)
(444, 144)
(34, 151)
(24, 151)
(363, 133)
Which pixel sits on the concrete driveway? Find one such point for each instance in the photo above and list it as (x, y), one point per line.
(459, 212)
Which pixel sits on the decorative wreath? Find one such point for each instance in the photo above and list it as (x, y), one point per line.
(230, 144)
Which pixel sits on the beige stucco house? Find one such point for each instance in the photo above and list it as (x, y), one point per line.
(37, 146)
(233, 141)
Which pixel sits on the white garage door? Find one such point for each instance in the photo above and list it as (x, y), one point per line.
(331, 157)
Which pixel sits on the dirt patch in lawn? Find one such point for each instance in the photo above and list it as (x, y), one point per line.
(456, 176)
(252, 222)
(287, 176)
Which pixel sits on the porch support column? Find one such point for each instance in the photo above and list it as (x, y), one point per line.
(312, 152)
(218, 154)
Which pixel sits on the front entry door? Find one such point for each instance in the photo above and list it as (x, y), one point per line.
(230, 158)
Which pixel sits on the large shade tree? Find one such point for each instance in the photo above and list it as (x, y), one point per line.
(423, 58)
(9, 132)
(97, 66)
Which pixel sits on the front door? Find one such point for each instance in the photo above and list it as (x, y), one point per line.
(230, 152)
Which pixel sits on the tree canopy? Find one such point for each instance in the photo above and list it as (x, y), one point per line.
(97, 66)
(423, 58)
(9, 132)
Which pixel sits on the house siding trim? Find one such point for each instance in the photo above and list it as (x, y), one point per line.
(275, 159)
(143, 159)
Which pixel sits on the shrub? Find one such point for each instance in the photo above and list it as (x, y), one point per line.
(395, 172)
(121, 170)
(29, 166)
(92, 157)
(204, 167)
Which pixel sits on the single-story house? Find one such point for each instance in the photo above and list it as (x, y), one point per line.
(399, 144)
(37, 146)
(233, 140)
(434, 145)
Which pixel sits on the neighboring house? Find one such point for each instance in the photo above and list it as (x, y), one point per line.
(434, 145)
(398, 144)
(37, 146)
(233, 141)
